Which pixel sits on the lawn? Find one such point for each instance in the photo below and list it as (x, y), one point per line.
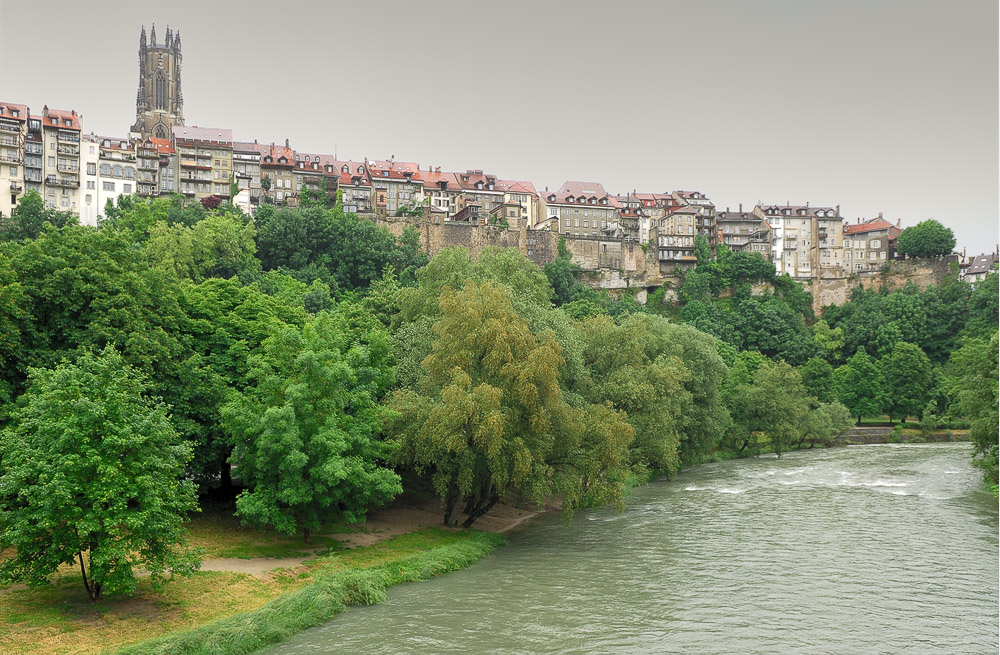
(59, 620)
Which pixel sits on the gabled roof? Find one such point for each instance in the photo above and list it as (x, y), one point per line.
(355, 169)
(981, 264)
(60, 118)
(579, 193)
(472, 180)
(7, 110)
(396, 170)
(246, 147)
(871, 225)
(218, 135)
(162, 145)
(276, 153)
(738, 216)
(516, 186)
(800, 211)
(433, 180)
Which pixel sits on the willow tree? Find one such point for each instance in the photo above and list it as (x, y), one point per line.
(489, 418)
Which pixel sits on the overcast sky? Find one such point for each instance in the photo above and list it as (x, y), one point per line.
(876, 105)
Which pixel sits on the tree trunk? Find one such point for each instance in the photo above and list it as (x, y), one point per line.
(83, 571)
(305, 534)
(451, 501)
(481, 509)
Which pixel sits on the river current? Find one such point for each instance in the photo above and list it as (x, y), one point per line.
(864, 549)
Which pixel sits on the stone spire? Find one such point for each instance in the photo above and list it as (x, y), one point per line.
(142, 39)
(152, 36)
(177, 40)
(169, 42)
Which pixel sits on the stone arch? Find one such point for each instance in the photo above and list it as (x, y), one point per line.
(160, 90)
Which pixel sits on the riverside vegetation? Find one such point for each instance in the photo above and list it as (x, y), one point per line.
(307, 367)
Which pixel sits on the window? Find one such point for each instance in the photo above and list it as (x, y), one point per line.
(89, 198)
(108, 186)
(91, 149)
(91, 168)
(64, 201)
(116, 171)
(13, 170)
(126, 188)
(91, 184)
(52, 162)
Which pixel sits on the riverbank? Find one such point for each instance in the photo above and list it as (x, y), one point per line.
(254, 588)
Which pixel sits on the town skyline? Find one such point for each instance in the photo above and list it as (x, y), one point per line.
(927, 150)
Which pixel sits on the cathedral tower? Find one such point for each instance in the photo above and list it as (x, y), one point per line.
(159, 103)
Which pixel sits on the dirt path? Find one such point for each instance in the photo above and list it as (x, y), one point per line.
(399, 517)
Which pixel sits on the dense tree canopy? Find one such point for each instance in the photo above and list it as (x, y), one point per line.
(92, 473)
(926, 239)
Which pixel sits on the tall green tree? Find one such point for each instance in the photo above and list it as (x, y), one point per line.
(306, 434)
(973, 380)
(860, 387)
(29, 217)
(92, 474)
(908, 380)
(817, 376)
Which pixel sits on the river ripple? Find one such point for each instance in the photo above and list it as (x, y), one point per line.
(867, 549)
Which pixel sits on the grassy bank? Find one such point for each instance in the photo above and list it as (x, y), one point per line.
(222, 613)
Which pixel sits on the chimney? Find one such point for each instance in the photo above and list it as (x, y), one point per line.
(741, 207)
(880, 215)
(838, 210)
(807, 204)
(897, 222)
(286, 143)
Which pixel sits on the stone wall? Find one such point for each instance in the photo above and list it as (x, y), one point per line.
(836, 289)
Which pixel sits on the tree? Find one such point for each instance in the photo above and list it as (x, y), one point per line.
(972, 378)
(926, 239)
(92, 472)
(817, 376)
(908, 380)
(824, 422)
(305, 436)
(218, 246)
(28, 219)
(772, 407)
(489, 417)
(860, 387)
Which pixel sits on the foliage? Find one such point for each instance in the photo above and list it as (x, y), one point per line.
(770, 409)
(91, 471)
(489, 417)
(972, 378)
(29, 217)
(218, 246)
(305, 434)
(926, 239)
(817, 376)
(906, 373)
(860, 387)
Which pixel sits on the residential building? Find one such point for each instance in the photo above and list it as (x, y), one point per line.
(744, 231)
(979, 267)
(582, 209)
(13, 129)
(116, 169)
(704, 222)
(206, 161)
(804, 240)
(246, 169)
(675, 236)
(159, 103)
(90, 158)
(316, 172)
(170, 170)
(869, 244)
(480, 188)
(443, 193)
(355, 186)
(651, 212)
(521, 200)
(277, 166)
(148, 163)
(60, 132)
(395, 185)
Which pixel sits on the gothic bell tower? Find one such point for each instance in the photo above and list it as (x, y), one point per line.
(159, 103)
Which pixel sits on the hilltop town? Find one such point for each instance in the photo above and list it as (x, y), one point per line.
(633, 239)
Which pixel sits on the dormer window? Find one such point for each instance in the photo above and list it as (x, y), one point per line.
(268, 159)
(604, 201)
(345, 169)
(316, 158)
(15, 112)
(315, 166)
(569, 198)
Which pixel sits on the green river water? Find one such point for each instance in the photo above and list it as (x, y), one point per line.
(865, 549)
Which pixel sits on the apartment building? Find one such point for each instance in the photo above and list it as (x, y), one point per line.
(805, 240)
(443, 194)
(13, 128)
(743, 231)
(246, 171)
(148, 164)
(869, 244)
(675, 236)
(60, 140)
(169, 173)
(277, 166)
(704, 222)
(582, 209)
(395, 185)
(205, 157)
(521, 201)
(480, 189)
(314, 171)
(355, 186)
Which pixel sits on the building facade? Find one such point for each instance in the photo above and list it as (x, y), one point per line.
(744, 231)
(13, 129)
(582, 209)
(205, 155)
(805, 241)
(868, 245)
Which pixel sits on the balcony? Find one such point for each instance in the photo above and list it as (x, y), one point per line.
(69, 138)
(68, 150)
(15, 159)
(68, 168)
(15, 187)
(62, 181)
(8, 127)
(10, 141)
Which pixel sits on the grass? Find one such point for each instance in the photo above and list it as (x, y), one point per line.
(222, 613)
(220, 534)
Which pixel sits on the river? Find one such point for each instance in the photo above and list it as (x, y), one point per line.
(864, 549)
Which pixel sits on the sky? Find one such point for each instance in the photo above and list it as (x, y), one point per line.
(877, 105)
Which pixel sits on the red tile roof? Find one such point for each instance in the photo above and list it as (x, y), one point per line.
(585, 190)
(517, 186)
(276, 153)
(800, 211)
(433, 179)
(871, 225)
(7, 110)
(66, 120)
(396, 170)
(162, 145)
